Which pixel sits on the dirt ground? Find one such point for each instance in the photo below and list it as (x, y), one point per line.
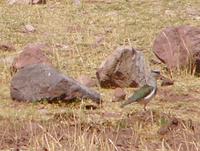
(81, 37)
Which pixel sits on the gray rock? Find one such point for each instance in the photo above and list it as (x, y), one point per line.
(126, 67)
(41, 82)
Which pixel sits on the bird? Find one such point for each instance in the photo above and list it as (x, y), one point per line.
(146, 92)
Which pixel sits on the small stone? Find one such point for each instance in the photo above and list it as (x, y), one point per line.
(87, 81)
(26, 2)
(12, 2)
(39, 2)
(62, 46)
(166, 81)
(7, 47)
(29, 28)
(119, 95)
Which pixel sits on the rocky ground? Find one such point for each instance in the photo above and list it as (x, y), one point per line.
(79, 38)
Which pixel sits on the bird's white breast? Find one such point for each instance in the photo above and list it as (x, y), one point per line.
(150, 94)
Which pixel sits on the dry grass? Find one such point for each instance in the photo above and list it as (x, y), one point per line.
(90, 32)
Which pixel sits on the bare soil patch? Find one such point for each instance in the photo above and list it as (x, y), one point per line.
(167, 95)
(124, 135)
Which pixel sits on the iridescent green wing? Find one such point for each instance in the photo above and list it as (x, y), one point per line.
(139, 94)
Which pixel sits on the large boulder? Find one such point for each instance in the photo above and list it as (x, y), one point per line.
(126, 67)
(31, 54)
(178, 47)
(41, 82)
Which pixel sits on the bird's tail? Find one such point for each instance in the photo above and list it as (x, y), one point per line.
(129, 101)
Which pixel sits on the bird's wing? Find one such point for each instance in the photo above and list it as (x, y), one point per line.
(139, 94)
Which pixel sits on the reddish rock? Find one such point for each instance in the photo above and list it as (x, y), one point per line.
(119, 95)
(166, 81)
(40, 82)
(125, 67)
(87, 81)
(31, 54)
(178, 46)
(7, 47)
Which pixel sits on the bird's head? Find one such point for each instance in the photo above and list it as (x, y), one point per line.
(156, 74)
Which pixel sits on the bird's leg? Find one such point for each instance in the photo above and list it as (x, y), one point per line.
(145, 109)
